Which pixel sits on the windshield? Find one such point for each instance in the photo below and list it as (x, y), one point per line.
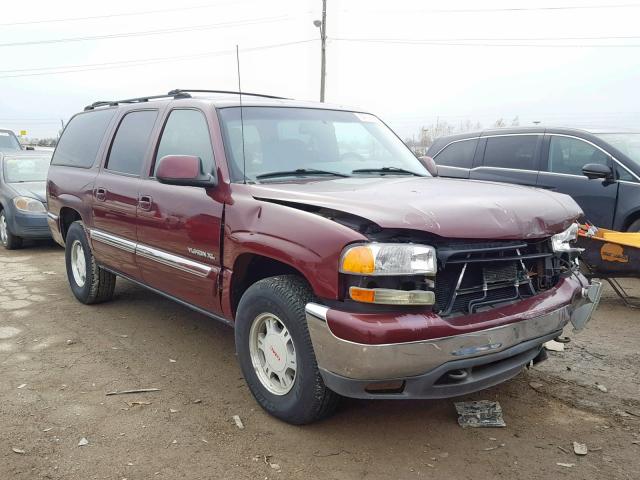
(26, 169)
(627, 143)
(8, 142)
(286, 142)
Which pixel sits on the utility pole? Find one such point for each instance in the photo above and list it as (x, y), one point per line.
(322, 25)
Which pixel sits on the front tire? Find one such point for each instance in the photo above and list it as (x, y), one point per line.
(8, 239)
(275, 351)
(89, 282)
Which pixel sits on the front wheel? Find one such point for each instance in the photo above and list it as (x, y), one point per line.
(89, 282)
(8, 239)
(275, 351)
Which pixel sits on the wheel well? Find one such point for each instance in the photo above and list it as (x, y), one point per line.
(67, 217)
(250, 268)
(630, 219)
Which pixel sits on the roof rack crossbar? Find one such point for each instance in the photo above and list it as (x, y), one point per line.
(230, 92)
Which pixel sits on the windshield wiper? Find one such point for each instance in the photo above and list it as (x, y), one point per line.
(300, 172)
(384, 170)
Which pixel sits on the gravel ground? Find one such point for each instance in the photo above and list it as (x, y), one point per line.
(59, 358)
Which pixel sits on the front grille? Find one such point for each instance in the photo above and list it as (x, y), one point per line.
(478, 276)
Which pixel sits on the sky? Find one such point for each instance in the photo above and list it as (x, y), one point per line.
(412, 62)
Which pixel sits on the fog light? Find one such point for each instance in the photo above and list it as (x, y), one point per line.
(388, 296)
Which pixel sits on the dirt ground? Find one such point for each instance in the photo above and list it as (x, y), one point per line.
(58, 359)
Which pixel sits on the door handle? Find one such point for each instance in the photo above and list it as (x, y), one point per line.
(101, 194)
(145, 202)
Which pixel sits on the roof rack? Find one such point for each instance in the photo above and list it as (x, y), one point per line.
(177, 93)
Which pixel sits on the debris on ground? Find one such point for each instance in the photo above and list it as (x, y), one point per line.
(483, 413)
(197, 400)
(22, 385)
(601, 387)
(70, 342)
(171, 360)
(563, 449)
(554, 346)
(18, 450)
(536, 385)
(83, 441)
(567, 465)
(239, 423)
(580, 448)
(173, 410)
(139, 390)
(139, 402)
(488, 449)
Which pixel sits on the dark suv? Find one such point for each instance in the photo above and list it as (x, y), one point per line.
(344, 267)
(600, 170)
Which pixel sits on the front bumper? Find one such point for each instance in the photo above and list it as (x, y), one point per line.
(29, 225)
(479, 358)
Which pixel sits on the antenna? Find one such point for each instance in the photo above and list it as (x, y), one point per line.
(244, 160)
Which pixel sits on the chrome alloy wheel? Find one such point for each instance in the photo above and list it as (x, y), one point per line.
(4, 235)
(78, 263)
(273, 353)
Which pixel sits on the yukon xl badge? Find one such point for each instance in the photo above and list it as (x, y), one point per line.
(201, 253)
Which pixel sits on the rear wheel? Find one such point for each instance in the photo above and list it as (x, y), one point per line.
(89, 282)
(8, 239)
(276, 354)
(634, 227)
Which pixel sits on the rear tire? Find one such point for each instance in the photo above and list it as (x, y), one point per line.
(89, 282)
(8, 239)
(634, 227)
(281, 369)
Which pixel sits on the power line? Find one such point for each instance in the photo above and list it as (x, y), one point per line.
(444, 42)
(114, 15)
(161, 31)
(39, 71)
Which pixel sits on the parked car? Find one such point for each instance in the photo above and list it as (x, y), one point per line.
(345, 268)
(600, 170)
(23, 210)
(8, 141)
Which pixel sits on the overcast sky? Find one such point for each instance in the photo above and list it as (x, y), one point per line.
(409, 61)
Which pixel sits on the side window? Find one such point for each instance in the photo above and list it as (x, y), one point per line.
(458, 154)
(511, 151)
(131, 142)
(569, 155)
(81, 139)
(623, 174)
(186, 133)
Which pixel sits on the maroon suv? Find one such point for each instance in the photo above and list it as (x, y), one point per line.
(344, 266)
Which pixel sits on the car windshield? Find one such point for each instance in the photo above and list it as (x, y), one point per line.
(627, 143)
(8, 142)
(281, 142)
(26, 169)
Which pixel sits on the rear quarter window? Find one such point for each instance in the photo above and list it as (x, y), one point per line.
(80, 141)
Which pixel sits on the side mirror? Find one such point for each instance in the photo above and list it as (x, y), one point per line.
(430, 164)
(597, 170)
(183, 170)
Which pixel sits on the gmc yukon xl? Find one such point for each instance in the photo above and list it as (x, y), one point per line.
(344, 266)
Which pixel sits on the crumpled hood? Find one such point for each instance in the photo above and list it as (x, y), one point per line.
(446, 207)
(37, 190)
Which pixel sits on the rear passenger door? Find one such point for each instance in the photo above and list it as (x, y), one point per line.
(456, 159)
(562, 173)
(512, 158)
(179, 227)
(115, 193)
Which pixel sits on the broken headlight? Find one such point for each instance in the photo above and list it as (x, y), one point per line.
(562, 241)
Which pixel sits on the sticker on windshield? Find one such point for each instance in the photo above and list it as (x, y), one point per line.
(366, 117)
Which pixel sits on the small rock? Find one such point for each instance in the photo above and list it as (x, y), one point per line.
(580, 448)
(47, 429)
(22, 385)
(601, 387)
(171, 360)
(49, 273)
(174, 442)
(567, 465)
(197, 400)
(83, 441)
(173, 410)
(18, 450)
(554, 346)
(238, 421)
(275, 466)
(70, 342)
(536, 385)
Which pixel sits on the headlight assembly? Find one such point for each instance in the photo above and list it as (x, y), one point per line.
(377, 259)
(561, 242)
(31, 205)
